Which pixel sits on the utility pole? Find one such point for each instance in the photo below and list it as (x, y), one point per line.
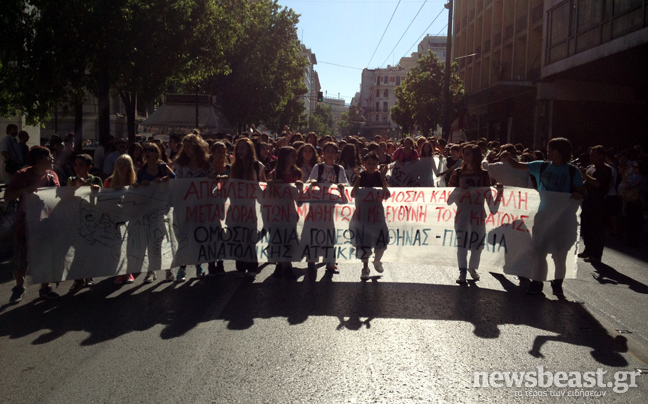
(448, 68)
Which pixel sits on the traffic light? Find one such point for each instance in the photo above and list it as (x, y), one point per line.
(320, 96)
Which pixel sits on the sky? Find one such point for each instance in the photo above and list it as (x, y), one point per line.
(345, 36)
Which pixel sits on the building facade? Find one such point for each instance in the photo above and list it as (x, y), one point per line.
(378, 89)
(311, 80)
(337, 107)
(535, 69)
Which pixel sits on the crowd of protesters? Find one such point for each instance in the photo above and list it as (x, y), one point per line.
(609, 181)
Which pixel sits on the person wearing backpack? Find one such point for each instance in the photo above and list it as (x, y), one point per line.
(328, 173)
(556, 175)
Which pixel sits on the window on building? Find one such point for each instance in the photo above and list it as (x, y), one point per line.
(377, 118)
(378, 80)
(385, 107)
(377, 93)
(386, 79)
(385, 118)
(398, 80)
(377, 106)
(386, 93)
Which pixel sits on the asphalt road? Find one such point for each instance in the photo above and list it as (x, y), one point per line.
(410, 336)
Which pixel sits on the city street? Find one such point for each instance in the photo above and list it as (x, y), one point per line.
(410, 336)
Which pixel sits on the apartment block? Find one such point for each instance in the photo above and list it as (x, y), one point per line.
(378, 89)
(537, 69)
(311, 80)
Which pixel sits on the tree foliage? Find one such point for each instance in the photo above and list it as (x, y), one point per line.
(266, 71)
(53, 51)
(421, 96)
(321, 120)
(351, 121)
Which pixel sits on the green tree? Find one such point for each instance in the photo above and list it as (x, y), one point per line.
(167, 41)
(321, 120)
(59, 49)
(343, 123)
(266, 71)
(42, 57)
(420, 97)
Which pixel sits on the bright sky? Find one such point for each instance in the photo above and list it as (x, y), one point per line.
(348, 32)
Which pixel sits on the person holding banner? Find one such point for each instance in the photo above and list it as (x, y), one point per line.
(329, 173)
(220, 169)
(192, 162)
(470, 175)
(154, 169)
(556, 175)
(82, 167)
(375, 235)
(26, 181)
(245, 167)
(429, 170)
(123, 175)
(287, 172)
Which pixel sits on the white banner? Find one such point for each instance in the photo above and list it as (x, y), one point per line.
(74, 233)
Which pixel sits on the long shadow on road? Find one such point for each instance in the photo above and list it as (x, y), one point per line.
(107, 312)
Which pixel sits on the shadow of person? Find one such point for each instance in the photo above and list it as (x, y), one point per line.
(106, 314)
(607, 274)
(353, 323)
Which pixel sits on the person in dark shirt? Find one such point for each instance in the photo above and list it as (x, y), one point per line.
(377, 236)
(598, 180)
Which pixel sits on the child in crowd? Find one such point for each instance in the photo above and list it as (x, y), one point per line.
(192, 162)
(39, 173)
(154, 169)
(287, 172)
(376, 238)
(219, 169)
(246, 167)
(350, 161)
(406, 152)
(328, 173)
(471, 174)
(82, 167)
(307, 158)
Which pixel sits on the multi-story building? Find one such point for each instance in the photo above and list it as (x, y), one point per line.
(378, 89)
(535, 69)
(436, 44)
(377, 96)
(310, 80)
(337, 107)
